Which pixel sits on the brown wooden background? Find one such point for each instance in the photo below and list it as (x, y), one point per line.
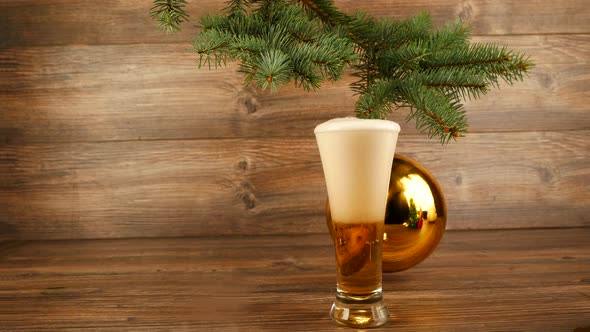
(108, 129)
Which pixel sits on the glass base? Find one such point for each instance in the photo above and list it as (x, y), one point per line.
(359, 311)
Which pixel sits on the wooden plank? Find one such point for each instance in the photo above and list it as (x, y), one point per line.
(492, 280)
(488, 17)
(274, 186)
(133, 92)
(34, 22)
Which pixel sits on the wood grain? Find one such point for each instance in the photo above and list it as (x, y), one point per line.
(107, 129)
(131, 92)
(510, 280)
(35, 22)
(274, 186)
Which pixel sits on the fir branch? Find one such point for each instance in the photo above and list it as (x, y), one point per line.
(397, 63)
(235, 7)
(275, 67)
(313, 54)
(452, 36)
(169, 14)
(461, 82)
(212, 47)
(326, 11)
(435, 113)
(417, 28)
(377, 100)
(490, 59)
(237, 25)
(304, 30)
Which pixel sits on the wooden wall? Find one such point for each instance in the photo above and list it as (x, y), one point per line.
(108, 129)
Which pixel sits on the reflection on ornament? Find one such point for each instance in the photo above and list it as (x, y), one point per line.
(415, 218)
(414, 197)
(418, 192)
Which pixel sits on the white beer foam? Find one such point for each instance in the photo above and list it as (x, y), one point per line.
(356, 157)
(356, 124)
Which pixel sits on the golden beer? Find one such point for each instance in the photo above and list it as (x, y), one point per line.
(358, 256)
(356, 158)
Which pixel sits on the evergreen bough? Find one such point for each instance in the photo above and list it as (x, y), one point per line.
(397, 63)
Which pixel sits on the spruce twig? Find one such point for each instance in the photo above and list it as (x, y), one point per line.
(397, 63)
(169, 13)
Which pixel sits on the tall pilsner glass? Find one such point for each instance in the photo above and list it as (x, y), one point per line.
(356, 157)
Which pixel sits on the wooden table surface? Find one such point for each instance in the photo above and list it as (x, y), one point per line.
(502, 280)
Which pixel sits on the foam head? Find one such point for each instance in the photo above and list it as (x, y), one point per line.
(356, 157)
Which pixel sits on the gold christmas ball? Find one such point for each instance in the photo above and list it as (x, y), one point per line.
(415, 218)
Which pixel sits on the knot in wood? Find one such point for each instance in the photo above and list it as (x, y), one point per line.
(249, 200)
(247, 195)
(243, 164)
(250, 106)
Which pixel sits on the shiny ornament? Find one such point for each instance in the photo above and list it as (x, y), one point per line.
(415, 218)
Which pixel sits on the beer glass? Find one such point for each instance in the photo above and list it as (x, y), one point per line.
(356, 156)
